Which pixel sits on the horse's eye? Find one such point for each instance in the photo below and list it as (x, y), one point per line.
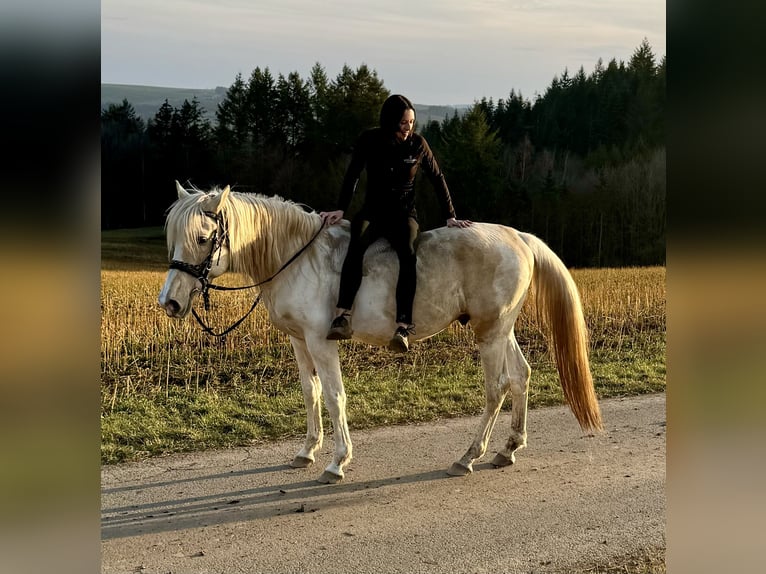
(202, 240)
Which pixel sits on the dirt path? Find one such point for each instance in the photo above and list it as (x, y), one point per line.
(568, 502)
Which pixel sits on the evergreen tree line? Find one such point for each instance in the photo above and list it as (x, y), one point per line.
(582, 166)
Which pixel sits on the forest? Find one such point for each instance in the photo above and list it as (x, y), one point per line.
(582, 165)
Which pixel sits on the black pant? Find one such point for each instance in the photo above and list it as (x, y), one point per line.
(401, 233)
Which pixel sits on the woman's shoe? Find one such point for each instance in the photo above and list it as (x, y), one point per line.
(400, 343)
(340, 329)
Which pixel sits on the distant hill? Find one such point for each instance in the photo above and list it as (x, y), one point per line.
(146, 100)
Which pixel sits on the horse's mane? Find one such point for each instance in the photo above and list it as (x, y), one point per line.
(264, 231)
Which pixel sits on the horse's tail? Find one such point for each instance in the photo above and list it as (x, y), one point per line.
(559, 308)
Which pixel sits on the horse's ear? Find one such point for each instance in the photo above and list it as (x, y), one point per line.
(181, 191)
(216, 202)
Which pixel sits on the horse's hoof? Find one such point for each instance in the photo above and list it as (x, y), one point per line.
(329, 478)
(301, 462)
(458, 469)
(502, 460)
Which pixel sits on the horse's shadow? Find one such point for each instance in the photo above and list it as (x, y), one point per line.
(242, 505)
(228, 474)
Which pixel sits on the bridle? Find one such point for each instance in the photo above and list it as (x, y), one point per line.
(202, 270)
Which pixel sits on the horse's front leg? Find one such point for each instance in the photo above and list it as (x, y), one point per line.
(324, 353)
(312, 396)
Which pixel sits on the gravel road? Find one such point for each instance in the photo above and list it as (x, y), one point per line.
(569, 502)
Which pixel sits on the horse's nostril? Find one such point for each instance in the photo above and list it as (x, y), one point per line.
(172, 307)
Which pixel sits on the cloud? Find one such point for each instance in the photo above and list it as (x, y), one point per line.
(442, 50)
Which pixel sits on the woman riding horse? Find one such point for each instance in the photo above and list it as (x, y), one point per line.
(392, 154)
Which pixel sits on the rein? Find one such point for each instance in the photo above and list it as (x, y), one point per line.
(202, 270)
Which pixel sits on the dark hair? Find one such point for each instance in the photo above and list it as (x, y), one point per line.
(392, 111)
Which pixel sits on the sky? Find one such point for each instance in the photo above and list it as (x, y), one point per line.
(435, 52)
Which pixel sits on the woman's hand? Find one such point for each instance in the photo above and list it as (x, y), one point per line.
(331, 217)
(452, 222)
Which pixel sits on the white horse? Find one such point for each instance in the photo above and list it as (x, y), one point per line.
(480, 275)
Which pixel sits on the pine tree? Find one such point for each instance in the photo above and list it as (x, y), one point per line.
(293, 107)
(261, 103)
(356, 96)
(643, 107)
(191, 134)
(123, 167)
(642, 61)
(319, 89)
(232, 132)
(232, 121)
(160, 128)
(472, 165)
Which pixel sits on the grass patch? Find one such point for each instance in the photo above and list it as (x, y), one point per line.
(144, 425)
(134, 249)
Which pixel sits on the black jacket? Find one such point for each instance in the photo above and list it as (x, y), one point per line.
(391, 167)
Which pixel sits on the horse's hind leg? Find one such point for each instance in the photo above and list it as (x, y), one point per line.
(518, 372)
(312, 396)
(496, 384)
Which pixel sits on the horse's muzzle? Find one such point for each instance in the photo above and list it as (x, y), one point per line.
(170, 306)
(173, 308)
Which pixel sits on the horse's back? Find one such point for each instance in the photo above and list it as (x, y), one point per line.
(476, 272)
(489, 266)
(480, 244)
(444, 245)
